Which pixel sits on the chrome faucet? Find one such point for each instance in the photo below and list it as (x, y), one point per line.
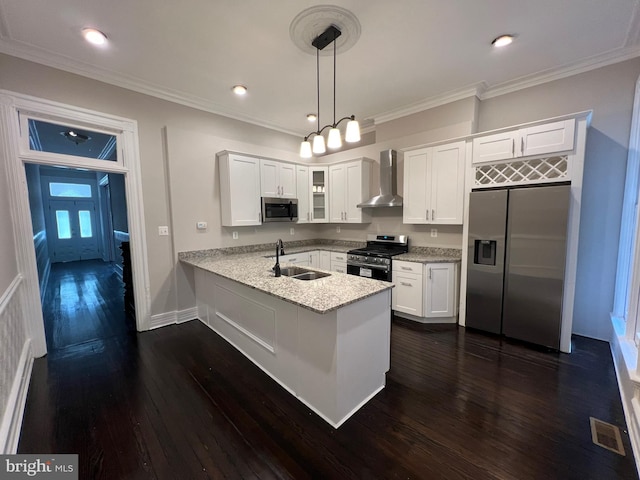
(279, 251)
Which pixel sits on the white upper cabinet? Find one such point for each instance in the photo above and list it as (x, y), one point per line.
(491, 148)
(337, 193)
(239, 189)
(548, 138)
(447, 183)
(434, 184)
(277, 179)
(303, 191)
(319, 191)
(536, 140)
(414, 208)
(349, 186)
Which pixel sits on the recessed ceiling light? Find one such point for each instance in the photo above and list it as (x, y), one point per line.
(239, 89)
(75, 137)
(503, 40)
(94, 36)
(311, 117)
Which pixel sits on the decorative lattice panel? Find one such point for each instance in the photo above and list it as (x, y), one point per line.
(536, 170)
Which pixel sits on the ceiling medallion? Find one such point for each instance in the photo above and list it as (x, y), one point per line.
(310, 23)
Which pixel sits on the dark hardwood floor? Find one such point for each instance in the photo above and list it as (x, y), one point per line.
(179, 402)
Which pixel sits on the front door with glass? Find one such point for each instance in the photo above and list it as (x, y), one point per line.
(72, 222)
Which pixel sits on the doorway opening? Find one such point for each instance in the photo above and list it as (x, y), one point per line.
(81, 241)
(92, 141)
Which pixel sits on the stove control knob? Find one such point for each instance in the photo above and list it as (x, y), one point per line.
(386, 261)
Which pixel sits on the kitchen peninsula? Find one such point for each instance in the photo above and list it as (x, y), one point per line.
(326, 340)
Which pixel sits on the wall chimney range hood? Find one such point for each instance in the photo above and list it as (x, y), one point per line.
(388, 196)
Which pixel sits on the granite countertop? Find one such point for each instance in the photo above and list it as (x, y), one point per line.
(431, 255)
(254, 270)
(251, 266)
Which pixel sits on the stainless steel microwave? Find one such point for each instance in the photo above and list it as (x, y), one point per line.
(279, 209)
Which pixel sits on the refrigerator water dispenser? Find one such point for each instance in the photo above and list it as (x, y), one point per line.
(485, 252)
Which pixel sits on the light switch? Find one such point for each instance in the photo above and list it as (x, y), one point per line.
(235, 235)
(163, 231)
(201, 225)
(292, 231)
(434, 232)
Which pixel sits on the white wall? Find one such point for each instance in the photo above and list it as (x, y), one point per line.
(609, 92)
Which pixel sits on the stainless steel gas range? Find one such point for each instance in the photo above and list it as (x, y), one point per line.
(374, 260)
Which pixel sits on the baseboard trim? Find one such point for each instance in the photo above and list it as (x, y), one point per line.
(171, 318)
(622, 351)
(187, 315)
(426, 320)
(12, 419)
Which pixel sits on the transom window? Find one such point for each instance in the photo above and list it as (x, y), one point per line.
(76, 190)
(66, 140)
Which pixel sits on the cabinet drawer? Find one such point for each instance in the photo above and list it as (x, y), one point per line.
(407, 267)
(338, 257)
(340, 267)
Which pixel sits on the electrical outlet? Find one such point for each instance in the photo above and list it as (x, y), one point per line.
(292, 231)
(163, 231)
(337, 229)
(235, 235)
(201, 225)
(434, 232)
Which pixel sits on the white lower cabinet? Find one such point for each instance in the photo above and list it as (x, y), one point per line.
(425, 291)
(440, 290)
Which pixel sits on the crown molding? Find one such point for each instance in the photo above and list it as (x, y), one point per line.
(432, 102)
(545, 76)
(60, 62)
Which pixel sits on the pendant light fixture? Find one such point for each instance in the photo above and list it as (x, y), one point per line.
(334, 139)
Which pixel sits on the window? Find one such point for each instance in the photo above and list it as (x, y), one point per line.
(66, 140)
(79, 190)
(63, 224)
(84, 217)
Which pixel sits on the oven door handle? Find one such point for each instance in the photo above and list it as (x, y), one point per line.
(366, 265)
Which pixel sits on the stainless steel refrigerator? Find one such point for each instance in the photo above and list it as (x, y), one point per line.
(517, 252)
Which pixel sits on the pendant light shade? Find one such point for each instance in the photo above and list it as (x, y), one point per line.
(353, 131)
(305, 149)
(318, 144)
(333, 140)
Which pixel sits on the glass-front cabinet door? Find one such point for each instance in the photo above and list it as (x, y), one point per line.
(319, 191)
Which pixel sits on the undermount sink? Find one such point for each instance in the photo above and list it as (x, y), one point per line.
(302, 273)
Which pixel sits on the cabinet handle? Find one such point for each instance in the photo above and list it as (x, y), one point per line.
(427, 214)
(433, 215)
(521, 145)
(429, 273)
(405, 284)
(513, 147)
(405, 268)
(311, 214)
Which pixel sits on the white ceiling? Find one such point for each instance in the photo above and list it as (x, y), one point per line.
(412, 54)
